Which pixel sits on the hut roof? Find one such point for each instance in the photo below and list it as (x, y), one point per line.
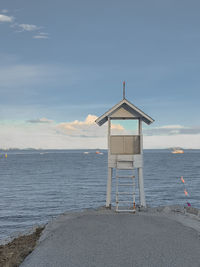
(124, 110)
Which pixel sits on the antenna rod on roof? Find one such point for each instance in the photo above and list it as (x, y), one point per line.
(123, 89)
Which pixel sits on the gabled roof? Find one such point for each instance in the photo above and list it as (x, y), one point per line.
(124, 110)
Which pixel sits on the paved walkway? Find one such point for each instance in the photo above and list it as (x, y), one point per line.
(107, 239)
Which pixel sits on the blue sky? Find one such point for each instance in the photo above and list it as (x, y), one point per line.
(63, 60)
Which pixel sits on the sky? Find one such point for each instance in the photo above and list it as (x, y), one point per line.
(62, 64)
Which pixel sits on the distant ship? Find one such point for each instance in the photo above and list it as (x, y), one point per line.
(177, 151)
(98, 152)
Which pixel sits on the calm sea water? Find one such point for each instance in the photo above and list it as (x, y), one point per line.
(38, 185)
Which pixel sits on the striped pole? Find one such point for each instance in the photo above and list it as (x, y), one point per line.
(185, 191)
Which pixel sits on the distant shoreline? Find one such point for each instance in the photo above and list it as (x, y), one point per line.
(80, 149)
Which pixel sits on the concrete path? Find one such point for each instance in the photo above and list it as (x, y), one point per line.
(107, 239)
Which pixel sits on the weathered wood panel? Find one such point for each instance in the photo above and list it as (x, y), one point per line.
(116, 145)
(125, 144)
(136, 159)
(122, 113)
(125, 165)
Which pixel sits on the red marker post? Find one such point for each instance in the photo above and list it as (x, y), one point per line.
(185, 191)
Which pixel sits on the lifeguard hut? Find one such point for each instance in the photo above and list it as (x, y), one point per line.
(125, 153)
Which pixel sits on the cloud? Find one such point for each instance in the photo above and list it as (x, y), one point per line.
(90, 120)
(45, 133)
(79, 128)
(117, 127)
(28, 27)
(187, 141)
(77, 125)
(42, 120)
(172, 130)
(4, 11)
(5, 18)
(86, 128)
(171, 127)
(41, 35)
(29, 75)
(23, 27)
(21, 74)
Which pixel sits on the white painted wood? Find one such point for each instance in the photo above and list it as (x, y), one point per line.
(125, 165)
(125, 157)
(141, 187)
(109, 188)
(125, 152)
(140, 127)
(137, 113)
(140, 170)
(122, 113)
(109, 129)
(121, 189)
(141, 136)
(109, 179)
(136, 159)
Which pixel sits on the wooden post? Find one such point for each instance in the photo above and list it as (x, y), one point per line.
(109, 189)
(109, 181)
(140, 170)
(141, 137)
(141, 187)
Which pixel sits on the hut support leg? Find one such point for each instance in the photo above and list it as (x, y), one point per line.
(141, 188)
(109, 188)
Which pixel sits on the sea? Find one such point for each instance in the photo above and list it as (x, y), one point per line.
(38, 185)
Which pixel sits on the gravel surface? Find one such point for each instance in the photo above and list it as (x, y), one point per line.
(105, 238)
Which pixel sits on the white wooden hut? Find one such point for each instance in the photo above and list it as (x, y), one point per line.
(125, 152)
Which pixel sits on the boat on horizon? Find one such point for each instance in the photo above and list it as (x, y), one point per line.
(178, 151)
(99, 153)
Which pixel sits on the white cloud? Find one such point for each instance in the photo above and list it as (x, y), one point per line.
(5, 18)
(22, 27)
(78, 125)
(4, 11)
(29, 75)
(171, 127)
(21, 74)
(28, 27)
(45, 133)
(42, 120)
(117, 127)
(166, 141)
(41, 35)
(172, 130)
(90, 119)
(87, 128)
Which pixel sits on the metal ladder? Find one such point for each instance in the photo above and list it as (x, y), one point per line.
(125, 181)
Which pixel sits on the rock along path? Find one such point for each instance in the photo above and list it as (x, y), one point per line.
(107, 239)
